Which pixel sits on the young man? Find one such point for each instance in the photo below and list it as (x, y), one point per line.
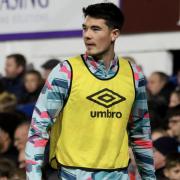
(92, 97)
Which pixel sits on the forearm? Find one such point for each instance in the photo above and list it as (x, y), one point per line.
(48, 107)
(142, 148)
(37, 140)
(140, 130)
(33, 165)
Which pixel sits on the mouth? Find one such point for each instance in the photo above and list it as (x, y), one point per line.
(89, 45)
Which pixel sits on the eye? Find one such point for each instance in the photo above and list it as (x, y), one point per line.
(96, 29)
(84, 28)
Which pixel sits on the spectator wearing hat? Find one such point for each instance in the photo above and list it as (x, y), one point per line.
(162, 147)
(48, 66)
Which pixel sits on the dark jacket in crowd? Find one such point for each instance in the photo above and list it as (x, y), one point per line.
(30, 97)
(15, 86)
(160, 174)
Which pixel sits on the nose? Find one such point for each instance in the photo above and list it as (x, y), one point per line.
(87, 34)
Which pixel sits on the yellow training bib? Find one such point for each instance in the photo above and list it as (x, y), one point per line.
(92, 131)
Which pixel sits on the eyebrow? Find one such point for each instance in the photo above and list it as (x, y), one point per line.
(94, 26)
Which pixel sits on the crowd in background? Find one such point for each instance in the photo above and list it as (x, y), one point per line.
(21, 86)
(19, 90)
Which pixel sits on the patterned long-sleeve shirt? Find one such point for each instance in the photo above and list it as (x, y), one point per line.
(52, 99)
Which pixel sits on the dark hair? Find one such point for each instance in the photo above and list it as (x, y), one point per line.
(19, 59)
(107, 11)
(173, 111)
(37, 73)
(163, 76)
(26, 122)
(50, 64)
(166, 145)
(9, 122)
(6, 168)
(172, 160)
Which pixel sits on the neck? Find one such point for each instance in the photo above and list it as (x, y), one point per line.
(107, 57)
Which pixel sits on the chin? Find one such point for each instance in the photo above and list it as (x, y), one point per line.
(93, 54)
(90, 53)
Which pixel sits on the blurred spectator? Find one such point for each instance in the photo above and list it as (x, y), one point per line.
(174, 98)
(174, 121)
(33, 83)
(48, 66)
(8, 102)
(7, 168)
(160, 87)
(172, 167)
(8, 124)
(157, 112)
(14, 68)
(21, 135)
(162, 147)
(20, 139)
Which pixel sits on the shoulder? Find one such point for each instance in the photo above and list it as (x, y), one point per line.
(138, 75)
(62, 67)
(61, 71)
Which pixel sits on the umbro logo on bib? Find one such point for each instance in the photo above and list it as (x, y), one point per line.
(106, 98)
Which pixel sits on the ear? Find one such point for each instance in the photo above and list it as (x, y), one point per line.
(115, 33)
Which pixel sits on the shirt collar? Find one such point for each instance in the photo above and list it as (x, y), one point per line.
(96, 64)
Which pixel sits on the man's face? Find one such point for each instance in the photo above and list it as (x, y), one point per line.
(174, 125)
(98, 37)
(12, 70)
(154, 84)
